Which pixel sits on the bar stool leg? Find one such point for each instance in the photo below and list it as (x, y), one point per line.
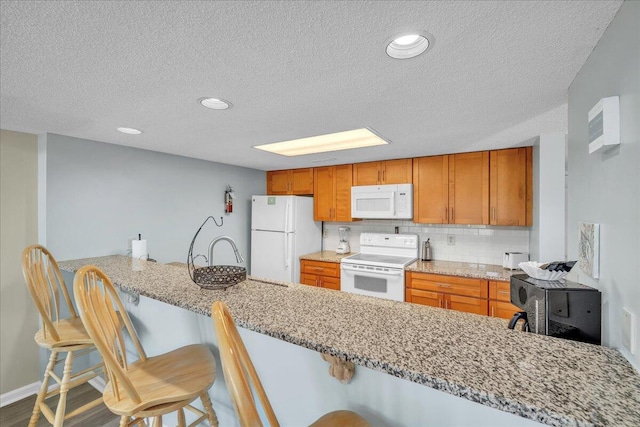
(206, 402)
(43, 389)
(157, 421)
(181, 420)
(124, 421)
(64, 388)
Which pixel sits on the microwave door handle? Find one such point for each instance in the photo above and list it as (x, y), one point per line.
(393, 203)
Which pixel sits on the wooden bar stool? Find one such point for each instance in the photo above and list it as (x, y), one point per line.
(242, 379)
(58, 334)
(150, 386)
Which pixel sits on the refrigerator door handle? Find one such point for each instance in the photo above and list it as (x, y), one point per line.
(286, 250)
(287, 216)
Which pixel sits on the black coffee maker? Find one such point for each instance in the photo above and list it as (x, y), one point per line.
(561, 309)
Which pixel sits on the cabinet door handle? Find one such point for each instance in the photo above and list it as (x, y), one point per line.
(318, 268)
(440, 302)
(378, 177)
(493, 213)
(446, 214)
(444, 285)
(382, 177)
(493, 311)
(452, 217)
(504, 292)
(446, 304)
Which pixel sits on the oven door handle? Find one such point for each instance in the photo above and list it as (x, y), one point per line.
(390, 272)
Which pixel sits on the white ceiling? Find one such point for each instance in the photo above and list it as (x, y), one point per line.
(496, 76)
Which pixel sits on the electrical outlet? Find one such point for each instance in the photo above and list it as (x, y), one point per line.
(325, 233)
(628, 329)
(451, 240)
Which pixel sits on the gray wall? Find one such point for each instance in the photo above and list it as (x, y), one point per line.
(604, 188)
(547, 242)
(18, 218)
(98, 195)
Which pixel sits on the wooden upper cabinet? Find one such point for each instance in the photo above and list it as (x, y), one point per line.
(323, 196)
(366, 173)
(511, 187)
(278, 182)
(431, 189)
(292, 181)
(397, 171)
(343, 179)
(451, 189)
(332, 193)
(469, 188)
(302, 181)
(386, 172)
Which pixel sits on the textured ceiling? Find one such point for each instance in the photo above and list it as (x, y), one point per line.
(496, 76)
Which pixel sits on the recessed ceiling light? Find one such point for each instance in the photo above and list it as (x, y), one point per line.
(215, 103)
(409, 45)
(130, 131)
(358, 138)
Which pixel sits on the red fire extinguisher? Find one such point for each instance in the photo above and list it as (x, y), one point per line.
(228, 199)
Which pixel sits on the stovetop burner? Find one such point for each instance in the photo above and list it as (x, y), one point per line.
(385, 250)
(386, 260)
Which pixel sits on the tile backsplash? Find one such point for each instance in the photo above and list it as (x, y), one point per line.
(475, 244)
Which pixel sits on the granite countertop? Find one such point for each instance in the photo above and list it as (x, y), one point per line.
(448, 268)
(549, 380)
(326, 256)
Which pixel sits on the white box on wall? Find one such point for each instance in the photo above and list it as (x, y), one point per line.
(604, 124)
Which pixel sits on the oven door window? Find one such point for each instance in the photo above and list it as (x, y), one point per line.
(370, 284)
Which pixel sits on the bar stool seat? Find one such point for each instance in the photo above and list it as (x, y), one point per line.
(150, 386)
(58, 334)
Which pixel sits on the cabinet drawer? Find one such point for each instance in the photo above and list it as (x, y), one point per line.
(477, 288)
(322, 268)
(504, 310)
(500, 291)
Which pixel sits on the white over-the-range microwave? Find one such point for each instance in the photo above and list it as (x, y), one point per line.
(393, 201)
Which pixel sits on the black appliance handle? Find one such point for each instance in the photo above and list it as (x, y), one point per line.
(519, 315)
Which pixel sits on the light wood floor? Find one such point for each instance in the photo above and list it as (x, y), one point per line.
(17, 414)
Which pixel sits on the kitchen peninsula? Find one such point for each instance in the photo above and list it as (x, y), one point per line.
(475, 358)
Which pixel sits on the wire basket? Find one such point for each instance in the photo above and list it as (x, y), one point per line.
(213, 276)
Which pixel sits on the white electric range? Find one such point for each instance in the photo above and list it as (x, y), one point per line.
(378, 270)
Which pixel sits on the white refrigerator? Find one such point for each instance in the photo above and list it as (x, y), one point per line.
(282, 230)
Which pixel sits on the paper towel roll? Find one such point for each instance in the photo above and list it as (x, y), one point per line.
(139, 249)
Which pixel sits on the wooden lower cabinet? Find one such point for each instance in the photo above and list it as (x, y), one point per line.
(450, 292)
(321, 274)
(500, 300)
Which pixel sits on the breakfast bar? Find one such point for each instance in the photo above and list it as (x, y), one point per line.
(469, 357)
